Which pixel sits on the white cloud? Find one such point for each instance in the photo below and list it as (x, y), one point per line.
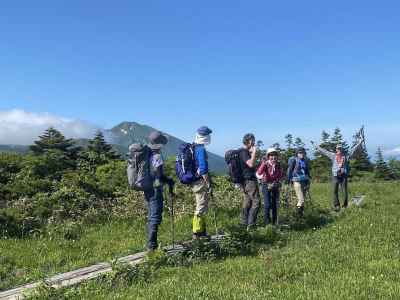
(22, 128)
(392, 152)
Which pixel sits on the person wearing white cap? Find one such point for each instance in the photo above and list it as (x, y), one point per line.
(201, 187)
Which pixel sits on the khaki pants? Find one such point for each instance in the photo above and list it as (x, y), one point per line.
(300, 191)
(200, 191)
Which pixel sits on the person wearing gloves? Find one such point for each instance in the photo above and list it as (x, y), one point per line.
(154, 197)
(270, 173)
(201, 187)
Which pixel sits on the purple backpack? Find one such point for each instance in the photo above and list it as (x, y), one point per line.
(185, 165)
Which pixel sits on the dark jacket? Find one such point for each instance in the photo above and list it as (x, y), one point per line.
(296, 172)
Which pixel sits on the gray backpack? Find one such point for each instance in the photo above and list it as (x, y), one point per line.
(139, 168)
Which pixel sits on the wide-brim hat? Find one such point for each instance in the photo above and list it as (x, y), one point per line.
(271, 151)
(204, 131)
(157, 140)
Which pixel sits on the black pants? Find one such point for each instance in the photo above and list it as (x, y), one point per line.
(251, 203)
(336, 182)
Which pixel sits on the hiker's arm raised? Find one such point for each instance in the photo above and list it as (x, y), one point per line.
(354, 149)
(324, 151)
(251, 163)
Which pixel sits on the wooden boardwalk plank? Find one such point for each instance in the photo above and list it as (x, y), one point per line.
(87, 273)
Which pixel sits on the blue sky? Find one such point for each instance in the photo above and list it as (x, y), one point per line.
(237, 66)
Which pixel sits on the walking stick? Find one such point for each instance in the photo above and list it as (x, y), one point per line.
(287, 195)
(214, 212)
(172, 216)
(309, 193)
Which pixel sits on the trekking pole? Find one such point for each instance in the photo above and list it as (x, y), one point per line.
(214, 206)
(290, 195)
(277, 203)
(287, 196)
(172, 215)
(309, 193)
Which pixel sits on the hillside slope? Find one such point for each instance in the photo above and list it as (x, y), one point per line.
(127, 133)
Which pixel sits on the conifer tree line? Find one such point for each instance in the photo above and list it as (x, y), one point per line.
(67, 154)
(360, 163)
(97, 152)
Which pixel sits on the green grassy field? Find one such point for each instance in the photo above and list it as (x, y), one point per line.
(352, 255)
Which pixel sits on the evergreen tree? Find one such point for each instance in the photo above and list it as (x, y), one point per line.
(289, 141)
(321, 165)
(290, 150)
(382, 170)
(360, 160)
(52, 139)
(53, 154)
(394, 166)
(277, 146)
(298, 143)
(97, 153)
(99, 146)
(337, 139)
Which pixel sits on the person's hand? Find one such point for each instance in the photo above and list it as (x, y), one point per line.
(253, 149)
(210, 189)
(171, 185)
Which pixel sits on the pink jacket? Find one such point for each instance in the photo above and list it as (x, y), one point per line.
(268, 173)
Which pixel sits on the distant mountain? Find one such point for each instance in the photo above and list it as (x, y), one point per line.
(127, 133)
(22, 149)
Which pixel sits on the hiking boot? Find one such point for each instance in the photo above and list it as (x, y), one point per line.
(337, 208)
(345, 205)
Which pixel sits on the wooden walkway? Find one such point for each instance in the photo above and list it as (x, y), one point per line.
(84, 274)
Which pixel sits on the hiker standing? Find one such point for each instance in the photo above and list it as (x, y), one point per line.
(201, 185)
(298, 174)
(251, 202)
(270, 173)
(340, 171)
(146, 173)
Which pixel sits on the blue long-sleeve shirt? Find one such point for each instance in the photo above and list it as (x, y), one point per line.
(201, 158)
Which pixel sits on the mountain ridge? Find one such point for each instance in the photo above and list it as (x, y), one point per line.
(126, 133)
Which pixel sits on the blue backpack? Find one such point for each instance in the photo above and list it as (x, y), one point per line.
(294, 163)
(185, 165)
